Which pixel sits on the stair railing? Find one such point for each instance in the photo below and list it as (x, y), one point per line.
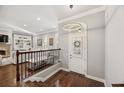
(29, 63)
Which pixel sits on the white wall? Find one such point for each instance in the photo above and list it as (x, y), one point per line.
(96, 53)
(35, 41)
(45, 37)
(114, 66)
(63, 44)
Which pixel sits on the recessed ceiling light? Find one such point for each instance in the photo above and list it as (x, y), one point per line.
(38, 19)
(41, 29)
(25, 25)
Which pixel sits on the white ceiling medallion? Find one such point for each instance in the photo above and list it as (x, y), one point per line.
(72, 27)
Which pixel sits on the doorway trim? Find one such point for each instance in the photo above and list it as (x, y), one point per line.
(85, 48)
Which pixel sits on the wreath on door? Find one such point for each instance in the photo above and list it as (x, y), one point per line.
(77, 43)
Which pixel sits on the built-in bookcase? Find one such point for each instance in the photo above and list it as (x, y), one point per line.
(22, 42)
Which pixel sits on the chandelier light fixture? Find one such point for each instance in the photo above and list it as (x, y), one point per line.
(72, 27)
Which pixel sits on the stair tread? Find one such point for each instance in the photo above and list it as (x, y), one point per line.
(34, 83)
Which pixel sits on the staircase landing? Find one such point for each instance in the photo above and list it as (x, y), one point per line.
(66, 79)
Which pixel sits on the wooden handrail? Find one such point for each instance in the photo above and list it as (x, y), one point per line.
(23, 52)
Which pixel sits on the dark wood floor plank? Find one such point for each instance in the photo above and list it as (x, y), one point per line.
(117, 85)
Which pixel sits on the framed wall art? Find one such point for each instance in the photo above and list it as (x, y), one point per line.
(51, 41)
(39, 42)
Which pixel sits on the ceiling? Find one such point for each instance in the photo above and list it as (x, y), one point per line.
(37, 18)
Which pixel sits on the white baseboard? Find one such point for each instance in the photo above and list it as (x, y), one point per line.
(61, 68)
(65, 69)
(45, 78)
(97, 79)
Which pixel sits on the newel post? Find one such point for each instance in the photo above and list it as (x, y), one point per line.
(17, 66)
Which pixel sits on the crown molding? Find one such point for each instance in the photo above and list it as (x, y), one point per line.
(5, 29)
(16, 28)
(90, 12)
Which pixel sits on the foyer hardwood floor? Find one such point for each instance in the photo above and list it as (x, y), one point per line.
(8, 76)
(62, 79)
(117, 85)
(66, 79)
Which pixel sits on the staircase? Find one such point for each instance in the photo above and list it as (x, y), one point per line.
(41, 84)
(34, 84)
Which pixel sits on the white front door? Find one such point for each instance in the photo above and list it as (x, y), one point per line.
(76, 62)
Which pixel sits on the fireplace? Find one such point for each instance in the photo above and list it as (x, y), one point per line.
(2, 52)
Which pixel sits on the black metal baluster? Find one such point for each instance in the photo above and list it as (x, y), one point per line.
(32, 63)
(53, 57)
(21, 63)
(58, 56)
(46, 57)
(36, 57)
(25, 66)
(28, 64)
(38, 60)
(50, 57)
(41, 59)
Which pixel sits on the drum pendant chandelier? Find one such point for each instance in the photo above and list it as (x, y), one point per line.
(72, 27)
